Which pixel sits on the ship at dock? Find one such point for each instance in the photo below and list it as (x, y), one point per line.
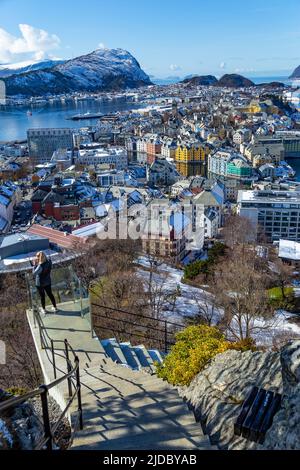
(78, 117)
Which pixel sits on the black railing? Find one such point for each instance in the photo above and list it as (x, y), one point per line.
(158, 332)
(72, 378)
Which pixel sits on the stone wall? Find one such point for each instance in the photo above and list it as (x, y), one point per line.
(217, 393)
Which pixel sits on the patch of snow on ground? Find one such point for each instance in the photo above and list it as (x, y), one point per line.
(186, 305)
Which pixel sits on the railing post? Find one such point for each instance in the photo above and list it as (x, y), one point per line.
(34, 316)
(41, 336)
(53, 358)
(80, 293)
(46, 421)
(68, 367)
(78, 385)
(166, 337)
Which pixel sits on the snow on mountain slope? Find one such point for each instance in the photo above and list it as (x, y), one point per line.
(103, 69)
(22, 67)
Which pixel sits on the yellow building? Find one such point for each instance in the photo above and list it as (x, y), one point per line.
(191, 159)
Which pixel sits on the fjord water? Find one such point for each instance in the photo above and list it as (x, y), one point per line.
(14, 121)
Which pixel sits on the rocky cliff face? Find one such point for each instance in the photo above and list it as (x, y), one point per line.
(217, 393)
(21, 428)
(102, 70)
(285, 431)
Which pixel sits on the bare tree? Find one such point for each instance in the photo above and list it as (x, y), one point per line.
(22, 366)
(209, 310)
(238, 231)
(241, 290)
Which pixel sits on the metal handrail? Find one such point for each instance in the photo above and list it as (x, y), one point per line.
(43, 391)
(137, 314)
(164, 331)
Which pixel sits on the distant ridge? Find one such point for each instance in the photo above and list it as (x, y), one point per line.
(23, 67)
(234, 81)
(271, 85)
(198, 80)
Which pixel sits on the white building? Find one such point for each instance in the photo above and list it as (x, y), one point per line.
(241, 136)
(115, 157)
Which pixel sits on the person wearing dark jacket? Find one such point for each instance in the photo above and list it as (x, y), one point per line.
(42, 274)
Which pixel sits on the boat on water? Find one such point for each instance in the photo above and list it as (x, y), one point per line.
(29, 113)
(78, 117)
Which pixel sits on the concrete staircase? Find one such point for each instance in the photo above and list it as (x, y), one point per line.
(128, 410)
(125, 405)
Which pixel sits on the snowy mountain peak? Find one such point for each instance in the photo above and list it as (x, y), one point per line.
(102, 69)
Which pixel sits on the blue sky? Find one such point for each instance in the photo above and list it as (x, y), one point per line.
(168, 37)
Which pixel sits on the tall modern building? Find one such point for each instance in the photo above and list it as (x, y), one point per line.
(276, 213)
(43, 142)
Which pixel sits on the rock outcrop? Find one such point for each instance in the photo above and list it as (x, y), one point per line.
(296, 73)
(201, 80)
(217, 393)
(234, 81)
(20, 427)
(285, 431)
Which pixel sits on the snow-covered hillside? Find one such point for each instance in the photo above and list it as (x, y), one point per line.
(103, 69)
(23, 67)
(191, 300)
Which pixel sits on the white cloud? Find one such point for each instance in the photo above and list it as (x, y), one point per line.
(175, 67)
(244, 70)
(33, 43)
(223, 65)
(101, 45)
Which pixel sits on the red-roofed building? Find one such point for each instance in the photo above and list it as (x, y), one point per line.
(62, 239)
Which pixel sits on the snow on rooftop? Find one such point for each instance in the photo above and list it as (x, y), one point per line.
(289, 249)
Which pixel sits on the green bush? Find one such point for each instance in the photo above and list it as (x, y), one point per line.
(192, 270)
(194, 348)
(287, 302)
(276, 293)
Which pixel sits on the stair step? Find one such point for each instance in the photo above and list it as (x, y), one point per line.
(156, 355)
(128, 417)
(144, 357)
(135, 438)
(130, 356)
(114, 351)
